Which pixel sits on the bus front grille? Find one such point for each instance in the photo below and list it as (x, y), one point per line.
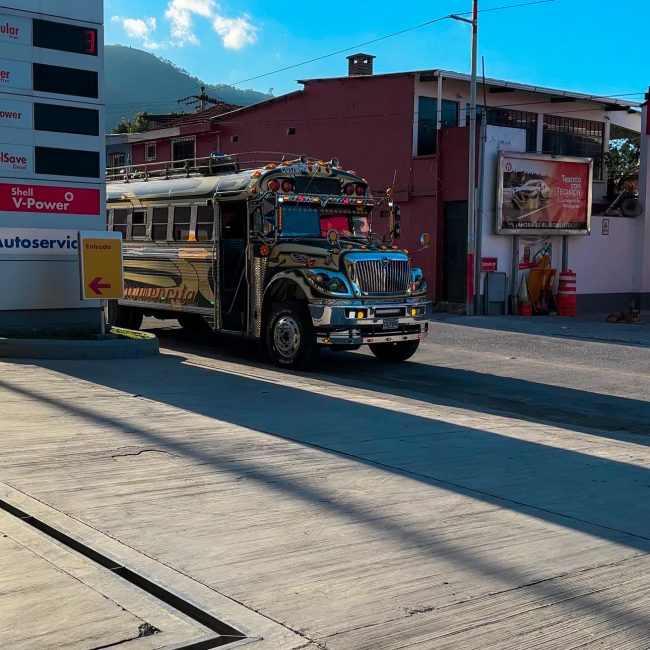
(383, 276)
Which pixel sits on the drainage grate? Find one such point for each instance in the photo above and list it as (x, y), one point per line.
(226, 633)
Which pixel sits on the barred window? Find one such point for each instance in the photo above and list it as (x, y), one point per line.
(567, 136)
(150, 151)
(183, 149)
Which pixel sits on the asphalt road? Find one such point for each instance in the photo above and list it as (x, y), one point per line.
(560, 380)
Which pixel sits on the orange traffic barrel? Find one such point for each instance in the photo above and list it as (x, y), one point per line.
(566, 294)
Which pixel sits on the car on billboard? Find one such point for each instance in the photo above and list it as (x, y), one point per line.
(532, 189)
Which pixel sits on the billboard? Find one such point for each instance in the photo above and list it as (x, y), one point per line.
(543, 194)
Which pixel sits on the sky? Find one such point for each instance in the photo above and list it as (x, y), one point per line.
(591, 46)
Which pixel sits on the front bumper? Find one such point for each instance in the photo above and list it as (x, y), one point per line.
(383, 322)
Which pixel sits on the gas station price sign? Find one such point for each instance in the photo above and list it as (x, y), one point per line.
(64, 37)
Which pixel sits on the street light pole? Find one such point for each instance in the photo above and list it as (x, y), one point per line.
(471, 176)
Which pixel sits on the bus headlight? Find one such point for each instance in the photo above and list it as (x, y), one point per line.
(328, 281)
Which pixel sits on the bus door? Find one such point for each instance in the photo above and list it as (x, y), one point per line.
(233, 283)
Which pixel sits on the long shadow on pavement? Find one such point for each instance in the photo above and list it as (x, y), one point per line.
(597, 496)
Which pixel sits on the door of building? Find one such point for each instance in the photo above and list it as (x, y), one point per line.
(454, 252)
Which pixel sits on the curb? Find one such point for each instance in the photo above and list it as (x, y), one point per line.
(119, 348)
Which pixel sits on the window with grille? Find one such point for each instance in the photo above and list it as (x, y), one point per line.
(150, 151)
(119, 221)
(427, 118)
(138, 224)
(181, 224)
(183, 149)
(204, 222)
(159, 218)
(568, 136)
(117, 159)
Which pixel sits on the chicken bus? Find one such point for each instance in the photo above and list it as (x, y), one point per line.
(283, 252)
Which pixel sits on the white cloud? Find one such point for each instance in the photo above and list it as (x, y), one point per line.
(140, 28)
(180, 13)
(235, 32)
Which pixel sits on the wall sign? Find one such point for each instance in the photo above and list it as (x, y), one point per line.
(15, 197)
(489, 264)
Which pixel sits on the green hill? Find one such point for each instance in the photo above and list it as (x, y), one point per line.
(138, 81)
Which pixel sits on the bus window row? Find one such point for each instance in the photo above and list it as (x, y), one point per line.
(164, 223)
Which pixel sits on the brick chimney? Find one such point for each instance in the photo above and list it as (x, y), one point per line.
(360, 65)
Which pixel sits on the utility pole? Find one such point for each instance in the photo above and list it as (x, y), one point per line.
(471, 177)
(201, 99)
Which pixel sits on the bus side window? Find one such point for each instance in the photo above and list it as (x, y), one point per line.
(233, 220)
(204, 222)
(181, 227)
(159, 219)
(138, 224)
(119, 221)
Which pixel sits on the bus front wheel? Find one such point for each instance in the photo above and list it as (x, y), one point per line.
(289, 336)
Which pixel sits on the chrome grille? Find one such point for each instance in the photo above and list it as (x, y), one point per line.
(382, 276)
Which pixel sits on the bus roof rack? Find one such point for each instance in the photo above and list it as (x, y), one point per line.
(216, 163)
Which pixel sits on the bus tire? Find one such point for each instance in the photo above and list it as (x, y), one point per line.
(193, 322)
(121, 316)
(289, 336)
(395, 352)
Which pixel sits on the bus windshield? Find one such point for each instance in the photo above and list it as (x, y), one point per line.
(311, 221)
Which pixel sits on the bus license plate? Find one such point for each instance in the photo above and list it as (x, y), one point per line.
(390, 324)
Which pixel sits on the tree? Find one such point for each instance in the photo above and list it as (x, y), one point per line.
(623, 163)
(139, 124)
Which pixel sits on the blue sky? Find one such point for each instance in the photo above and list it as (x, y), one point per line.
(591, 46)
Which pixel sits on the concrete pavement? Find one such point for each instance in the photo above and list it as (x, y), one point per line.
(340, 510)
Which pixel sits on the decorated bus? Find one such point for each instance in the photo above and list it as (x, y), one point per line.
(284, 253)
